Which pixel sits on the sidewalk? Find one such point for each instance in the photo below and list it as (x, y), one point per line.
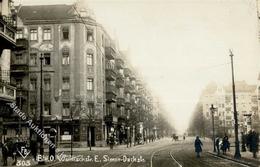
(246, 157)
(81, 149)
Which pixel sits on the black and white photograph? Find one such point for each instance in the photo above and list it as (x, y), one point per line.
(129, 83)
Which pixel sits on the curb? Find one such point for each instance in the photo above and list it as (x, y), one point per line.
(234, 160)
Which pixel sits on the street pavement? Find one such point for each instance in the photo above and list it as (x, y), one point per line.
(162, 153)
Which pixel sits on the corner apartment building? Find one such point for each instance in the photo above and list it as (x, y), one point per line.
(73, 47)
(7, 43)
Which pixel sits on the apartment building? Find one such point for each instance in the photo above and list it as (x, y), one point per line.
(90, 90)
(72, 47)
(222, 99)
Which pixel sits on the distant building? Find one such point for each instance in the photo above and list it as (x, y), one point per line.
(222, 98)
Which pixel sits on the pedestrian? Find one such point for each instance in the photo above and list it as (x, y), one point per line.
(254, 143)
(5, 152)
(217, 144)
(225, 145)
(34, 145)
(198, 146)
(243, 138)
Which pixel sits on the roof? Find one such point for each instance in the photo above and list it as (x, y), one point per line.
(241, 86)
(46, 12)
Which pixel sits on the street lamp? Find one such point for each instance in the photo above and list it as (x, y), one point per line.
(237, 151)
(41, 162)
(213, 109)
(20, 105)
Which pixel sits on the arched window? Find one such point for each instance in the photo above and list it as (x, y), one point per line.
(65, 56)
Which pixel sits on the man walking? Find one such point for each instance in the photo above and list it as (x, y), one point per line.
(254, 143)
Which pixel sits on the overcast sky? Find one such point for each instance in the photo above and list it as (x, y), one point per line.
(179, 46)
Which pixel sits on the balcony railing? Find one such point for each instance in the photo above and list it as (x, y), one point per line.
(7, 92)
(22, 44)
(110, 89)
(120, 101)
(110, 93)
(110, 53)
(127, 72)
(110, 74)
(8, 20)
(7, 30)
(120, 82)
(119, 63)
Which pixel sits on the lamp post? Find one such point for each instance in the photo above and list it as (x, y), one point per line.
(237, 151)
(72, 133)
(41, 162)
(213, 109)
(20, 105)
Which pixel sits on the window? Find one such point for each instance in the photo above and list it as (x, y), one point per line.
(18, 58)
(89, 59)
(91, 109)
(46, 34)
(19, 34)
(65, 33)
(33, 34)
(33, 108)
(66, 83)
(90, 36)
(47, 109)
(33, 84)
(47, 59)
(47, 84)
(33, 59)
(19, 83)
(65, 57)
(90, 84)
(66, 109)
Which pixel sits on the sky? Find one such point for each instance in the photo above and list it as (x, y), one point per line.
(179, 46)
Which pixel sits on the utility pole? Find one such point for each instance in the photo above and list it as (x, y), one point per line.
(72, 133)
(237, 151)
(41, 115)
(212, 109)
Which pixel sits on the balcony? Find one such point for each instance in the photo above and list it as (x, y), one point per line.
(110, 53)
(132, 77)
(120, 83)
(19, 67)
(111, 93)
(119, 63)
(127, 72)
(122, 119)
(7, 92)
(22, 92)
(120, 101)
(7, 32)
(110, 118)
(22, 44)
(110, 74)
